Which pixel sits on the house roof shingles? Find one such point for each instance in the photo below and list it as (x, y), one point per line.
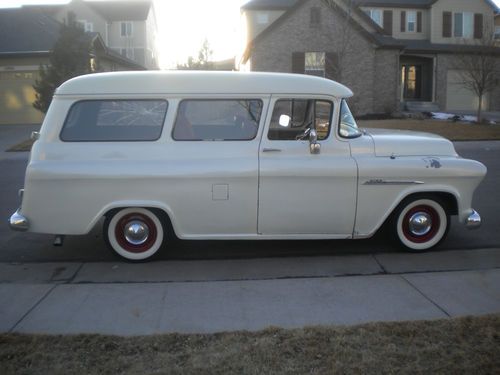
(396, 3)
(269, 4)
(137, 10)
(27, 31)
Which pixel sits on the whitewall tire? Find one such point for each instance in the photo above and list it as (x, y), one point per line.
(134, 233)
(421, 224)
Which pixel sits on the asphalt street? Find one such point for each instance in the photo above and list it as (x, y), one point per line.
(28, 247)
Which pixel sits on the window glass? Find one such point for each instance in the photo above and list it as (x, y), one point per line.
(303, 114)
(315, 63)
(348, 127)
(262, 18)
(458, 21)
(468, 25)
(375, 15)
(126, 29)
(115, 120)
(217, 120)
(412, 19)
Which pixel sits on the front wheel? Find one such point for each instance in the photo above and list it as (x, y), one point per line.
(134, 233)
(421, 224)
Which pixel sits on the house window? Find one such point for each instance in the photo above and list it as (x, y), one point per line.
(411, 21)
(262, 18)
(375, 15)
(315, 16)
(86, 26)
(497, 32)
(126, 28)
(463, 25)
(315, 63)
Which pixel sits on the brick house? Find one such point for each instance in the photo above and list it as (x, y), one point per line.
(393, 54)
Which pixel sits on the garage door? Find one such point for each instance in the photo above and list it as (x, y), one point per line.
(16, 98)
(458, 97)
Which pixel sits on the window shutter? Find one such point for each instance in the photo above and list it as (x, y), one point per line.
(331, 62)
(419, 22)
(446, 24)
(388, 22)
(478, 26)
(298, 62)
(403, 21)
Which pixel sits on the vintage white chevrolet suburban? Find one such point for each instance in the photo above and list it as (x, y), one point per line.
(217, 155)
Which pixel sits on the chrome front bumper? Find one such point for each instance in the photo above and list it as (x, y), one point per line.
(18, 222)
(473, 221)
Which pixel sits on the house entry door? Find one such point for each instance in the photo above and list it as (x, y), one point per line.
(412, 82)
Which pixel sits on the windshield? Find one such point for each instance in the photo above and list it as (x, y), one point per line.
(348, 127)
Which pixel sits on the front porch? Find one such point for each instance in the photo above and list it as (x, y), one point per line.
(417, 83)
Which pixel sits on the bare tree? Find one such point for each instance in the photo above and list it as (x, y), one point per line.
(478, 68)
(204, 61)
(343, 36)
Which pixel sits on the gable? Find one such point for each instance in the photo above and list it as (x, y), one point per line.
(360, 21)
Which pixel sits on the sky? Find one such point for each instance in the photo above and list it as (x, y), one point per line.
(183, 25)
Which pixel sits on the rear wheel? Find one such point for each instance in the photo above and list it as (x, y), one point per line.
(421, 223)
(134, 233)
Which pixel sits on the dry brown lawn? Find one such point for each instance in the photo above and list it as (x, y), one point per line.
(452, 346)
(455, 131)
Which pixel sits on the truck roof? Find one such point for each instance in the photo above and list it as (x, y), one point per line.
(198, 82)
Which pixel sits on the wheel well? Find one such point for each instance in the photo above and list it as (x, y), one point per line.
(164, 217)
(447, 199)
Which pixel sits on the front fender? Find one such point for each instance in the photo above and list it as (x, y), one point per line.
(384, 182)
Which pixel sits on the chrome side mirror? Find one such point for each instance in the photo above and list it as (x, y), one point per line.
(314, 145)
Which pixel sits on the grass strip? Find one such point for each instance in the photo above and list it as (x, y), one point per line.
(469, 345)
(23, 146)
(454, 131)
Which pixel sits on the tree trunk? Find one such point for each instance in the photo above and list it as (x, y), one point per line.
(479, 109)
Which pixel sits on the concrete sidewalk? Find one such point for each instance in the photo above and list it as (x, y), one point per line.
(246, 294)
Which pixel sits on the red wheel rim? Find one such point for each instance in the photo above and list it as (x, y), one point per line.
(120, 233)
(435, 224)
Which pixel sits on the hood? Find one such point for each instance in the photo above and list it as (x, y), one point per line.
(409, 143)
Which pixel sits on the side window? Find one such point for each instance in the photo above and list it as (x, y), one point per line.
(292, 117)
(114, 120)
(217, 120)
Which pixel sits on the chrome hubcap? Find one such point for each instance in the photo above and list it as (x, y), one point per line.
(136, 232)
(420, 224)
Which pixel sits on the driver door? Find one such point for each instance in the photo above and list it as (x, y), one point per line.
(301, 192)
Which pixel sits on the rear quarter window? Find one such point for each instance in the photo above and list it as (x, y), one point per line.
(114, 120)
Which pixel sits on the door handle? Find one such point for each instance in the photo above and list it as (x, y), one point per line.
(265, 149)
